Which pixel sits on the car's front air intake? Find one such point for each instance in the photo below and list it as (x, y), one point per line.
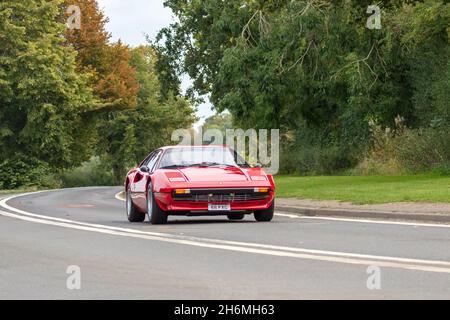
(221, 195)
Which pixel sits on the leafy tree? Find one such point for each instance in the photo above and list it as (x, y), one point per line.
(89, 41)
(113, 79)
(132, 116)
(130, 135)
(118, 86)
(222, 122)
(42, 97)
(313, 69)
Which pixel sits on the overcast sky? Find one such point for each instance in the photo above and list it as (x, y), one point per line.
(130, 20)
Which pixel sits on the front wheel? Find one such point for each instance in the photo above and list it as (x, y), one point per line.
(154, 212)
(265, 215)
(132, 214)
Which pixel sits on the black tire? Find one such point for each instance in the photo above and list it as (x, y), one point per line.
(154, 212)
(132, 214)
(236, 216)
(265, 215)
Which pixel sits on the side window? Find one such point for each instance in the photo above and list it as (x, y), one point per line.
(149, 157)
(153, 160)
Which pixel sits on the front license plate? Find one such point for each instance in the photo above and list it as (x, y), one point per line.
(219, 207)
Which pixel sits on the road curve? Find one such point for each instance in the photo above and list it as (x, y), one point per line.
(42, 234)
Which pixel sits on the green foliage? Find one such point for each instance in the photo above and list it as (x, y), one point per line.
(311, 152)
(402, 150)
(130, 135)
(309, 68)
(425, 149)
(42, 96)
(56, 114)
(221, 122)
(20, 171)
(91, 173)
(314, 160)
(313, 66)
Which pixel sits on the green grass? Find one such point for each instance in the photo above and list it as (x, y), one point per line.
(16, 191)
(366, 189)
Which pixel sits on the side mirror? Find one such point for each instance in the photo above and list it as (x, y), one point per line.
(144, 169)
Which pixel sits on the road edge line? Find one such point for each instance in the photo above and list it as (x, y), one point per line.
(331, 212)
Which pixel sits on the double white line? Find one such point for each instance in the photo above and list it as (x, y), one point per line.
(254, 248)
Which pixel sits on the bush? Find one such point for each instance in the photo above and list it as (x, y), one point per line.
(424, 149)
(92, 173)
(22, 172)
(309, 157)
(403, 150)
(315, 160)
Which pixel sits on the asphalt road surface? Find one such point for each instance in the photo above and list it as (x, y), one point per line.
(43, 234)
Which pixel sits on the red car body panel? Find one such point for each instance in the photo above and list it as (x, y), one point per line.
(165, 181)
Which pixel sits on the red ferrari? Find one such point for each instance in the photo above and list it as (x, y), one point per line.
(196, 181)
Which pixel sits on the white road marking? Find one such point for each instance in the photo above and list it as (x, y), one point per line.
(362, 220)
(292, 216)
(281, 251)
(119, 195)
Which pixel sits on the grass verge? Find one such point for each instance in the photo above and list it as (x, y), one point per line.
(17, 191)
(366, 189)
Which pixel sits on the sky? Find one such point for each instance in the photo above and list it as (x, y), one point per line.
(130, 20)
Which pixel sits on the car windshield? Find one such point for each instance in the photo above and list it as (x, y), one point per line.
(192, 157)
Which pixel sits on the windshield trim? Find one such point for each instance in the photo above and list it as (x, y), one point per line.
(234, 154)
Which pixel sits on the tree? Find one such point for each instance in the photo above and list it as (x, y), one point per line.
(130, 135)
(313, 69)
(42, 96)
(118, 85)
(112, 77)
(92, 38)
(220, 121)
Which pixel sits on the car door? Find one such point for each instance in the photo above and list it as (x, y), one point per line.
(142, 178)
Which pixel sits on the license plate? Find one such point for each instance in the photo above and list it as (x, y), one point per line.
(219, 207)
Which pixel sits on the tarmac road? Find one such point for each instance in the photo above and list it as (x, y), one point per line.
(42, 234)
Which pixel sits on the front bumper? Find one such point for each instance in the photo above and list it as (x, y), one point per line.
(167, 203)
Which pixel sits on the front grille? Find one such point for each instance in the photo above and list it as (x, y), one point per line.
(205, 195)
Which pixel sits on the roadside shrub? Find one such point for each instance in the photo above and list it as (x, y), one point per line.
(309, 157)
(21, 171)
(315, 160)
(91, 173)
(403, 150)
(424, 149)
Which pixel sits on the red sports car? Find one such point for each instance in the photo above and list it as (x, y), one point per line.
(195, 181)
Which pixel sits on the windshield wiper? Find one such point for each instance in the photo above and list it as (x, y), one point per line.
(210, 164)
(225, 165)
(174, 166)
(201, 164)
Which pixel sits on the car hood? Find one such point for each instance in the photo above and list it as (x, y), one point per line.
(224, 174)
